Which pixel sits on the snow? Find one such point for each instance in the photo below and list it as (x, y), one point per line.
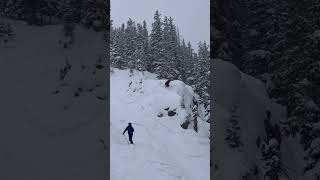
(292, 155)
(38, 138)
(162, 149)
(236, 89)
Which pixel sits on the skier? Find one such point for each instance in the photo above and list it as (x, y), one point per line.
(130, 130)
(167, 83)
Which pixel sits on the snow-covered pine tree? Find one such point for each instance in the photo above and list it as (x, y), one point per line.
(156, 52)
(47, 12)
(189, 62)
(93, 14)
(68, 29)
(169, 66)
(191, 80)
(2, 6)
(2, 28)
(113, 53)
(146, 46)
(130, 43)
(6, 31)
(202, 74)
(166, 41)
(140, 52)
(22, 9)
(182, 60)
(176, 63)
(13, 9)
(31, 11)
(117, 48)
(3, 33)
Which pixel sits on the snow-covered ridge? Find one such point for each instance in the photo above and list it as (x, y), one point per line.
(163, 149)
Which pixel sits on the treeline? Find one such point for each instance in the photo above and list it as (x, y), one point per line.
(161, 52)
(91, 13)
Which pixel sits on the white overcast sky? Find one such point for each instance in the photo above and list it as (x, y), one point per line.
(191, 16)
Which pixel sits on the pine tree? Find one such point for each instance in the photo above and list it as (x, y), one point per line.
(14, 9)
(175, 62)
(47, 12)
(93, 14)
(156, 52)
(169, 65)
(140, 53)
(202, 74)
(117, 48)
(183, 60)
(130, 43)
(6, 31)
(146, 46)
(189, 61)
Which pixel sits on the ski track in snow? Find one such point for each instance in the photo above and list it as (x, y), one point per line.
(162, 149)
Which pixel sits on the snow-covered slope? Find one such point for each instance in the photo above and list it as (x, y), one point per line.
(45, 135)
(162, 148)
(241, 98)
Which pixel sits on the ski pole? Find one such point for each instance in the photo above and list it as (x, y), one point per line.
(125, 138)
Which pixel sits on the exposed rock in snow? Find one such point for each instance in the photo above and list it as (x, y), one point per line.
(171, 113)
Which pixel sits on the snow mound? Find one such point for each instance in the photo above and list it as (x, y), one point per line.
(162, 149)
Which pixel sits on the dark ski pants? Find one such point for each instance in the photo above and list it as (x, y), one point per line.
(130, 137)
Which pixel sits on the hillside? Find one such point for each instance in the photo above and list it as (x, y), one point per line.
(162, 148)
(247, 138)
(46, 130)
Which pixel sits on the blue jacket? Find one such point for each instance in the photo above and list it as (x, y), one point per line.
(130, 129)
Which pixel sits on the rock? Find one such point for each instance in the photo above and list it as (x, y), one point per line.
(101, 98)
(185, 124)
(171, 113)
